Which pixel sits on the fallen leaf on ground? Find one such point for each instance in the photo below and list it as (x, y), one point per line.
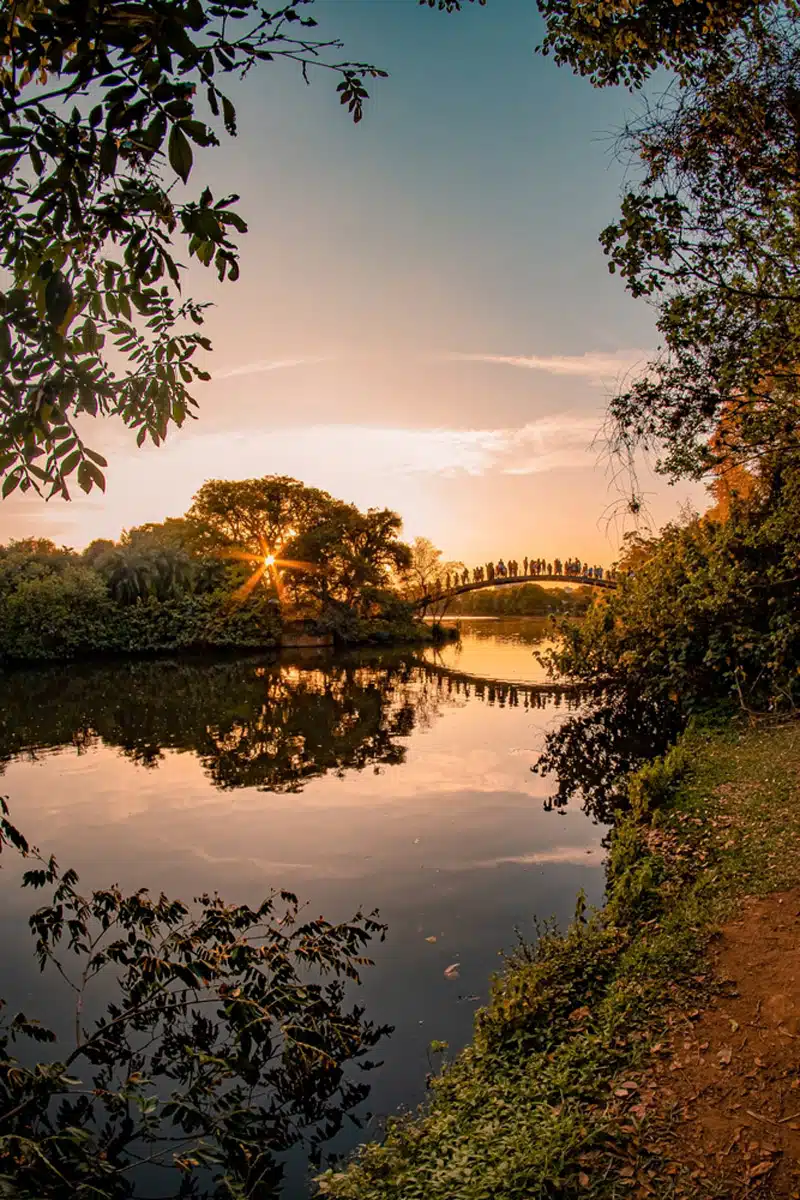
(724, 1055)
(760, 1169)
(452, 972)
(431, 939)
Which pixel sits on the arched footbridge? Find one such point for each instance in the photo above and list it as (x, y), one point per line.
(447, 594)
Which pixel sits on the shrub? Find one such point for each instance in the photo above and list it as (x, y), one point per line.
(711, 614)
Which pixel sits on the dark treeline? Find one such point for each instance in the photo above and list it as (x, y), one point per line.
(527, 600)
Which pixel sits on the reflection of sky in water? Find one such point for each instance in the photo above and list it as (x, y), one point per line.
(496, 649)
(453, 843)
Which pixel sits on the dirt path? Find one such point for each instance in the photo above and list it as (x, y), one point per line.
(729, 1077)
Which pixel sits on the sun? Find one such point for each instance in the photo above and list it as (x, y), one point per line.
(269, 560)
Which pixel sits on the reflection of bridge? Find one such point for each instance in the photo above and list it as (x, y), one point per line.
(504, 581)
(500, 691)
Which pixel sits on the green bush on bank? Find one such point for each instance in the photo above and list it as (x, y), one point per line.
(710, 612)
(527, 1110)
(69, 615)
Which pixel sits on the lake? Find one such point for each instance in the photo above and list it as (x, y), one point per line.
(392, 779)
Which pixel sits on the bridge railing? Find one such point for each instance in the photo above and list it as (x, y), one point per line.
(510, 580)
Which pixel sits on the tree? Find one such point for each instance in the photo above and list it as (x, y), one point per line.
(709, 232)
(259, 516)
(321, 550)
(96, 549)
(101, 105)
(625, 41)
(353, 557)
(426, 568)
(129, 575)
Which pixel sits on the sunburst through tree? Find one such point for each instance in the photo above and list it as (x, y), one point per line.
(268, 568)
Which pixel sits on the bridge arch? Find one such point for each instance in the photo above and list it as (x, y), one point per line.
(509, 581)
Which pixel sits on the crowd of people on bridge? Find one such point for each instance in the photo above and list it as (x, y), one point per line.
(528, 568)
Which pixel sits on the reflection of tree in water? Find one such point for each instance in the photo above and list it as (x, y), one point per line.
(251, 723)
(273, 725)
(591, 752)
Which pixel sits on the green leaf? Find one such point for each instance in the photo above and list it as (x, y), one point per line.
(70, 462)
(229, 115)
(180, 153)
(10, 483)
(57, 298)
(108, 154)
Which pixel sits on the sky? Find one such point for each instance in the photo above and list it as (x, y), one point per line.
(424, 318)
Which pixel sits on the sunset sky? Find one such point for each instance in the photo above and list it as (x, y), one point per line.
(424, 319)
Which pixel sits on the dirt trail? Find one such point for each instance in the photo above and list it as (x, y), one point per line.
(730, 1075)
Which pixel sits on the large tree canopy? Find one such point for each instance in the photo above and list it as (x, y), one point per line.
(101, 105)
(709, 229)
(624, 41)
(327, 552)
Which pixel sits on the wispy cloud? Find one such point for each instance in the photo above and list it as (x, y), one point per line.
(598, 367)
(264, 365)
(375, 451)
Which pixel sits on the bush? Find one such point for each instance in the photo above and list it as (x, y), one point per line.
(69, 614)
(711, 614)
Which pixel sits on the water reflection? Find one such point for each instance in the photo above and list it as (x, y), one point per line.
(394, 780)
(254, 723)
(590, 753)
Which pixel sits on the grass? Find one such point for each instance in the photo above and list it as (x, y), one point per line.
(538, 1105)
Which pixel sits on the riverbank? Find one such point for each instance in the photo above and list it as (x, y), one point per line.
(95, 627)
(585, 1074)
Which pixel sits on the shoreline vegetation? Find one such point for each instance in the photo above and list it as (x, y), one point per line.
(253, 565)
(551, 1097)
(249, 562)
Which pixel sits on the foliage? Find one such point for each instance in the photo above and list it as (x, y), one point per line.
(529, 599)
(100, 107)
(353, 559)
(218, 1050)
(711, 614)
(708, 230)
(258, 515)
(70, 614)
(625, 41)
(710, 234)
(329, 555)
(425, 568)
(201, 580)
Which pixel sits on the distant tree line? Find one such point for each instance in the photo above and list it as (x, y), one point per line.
(244, 556)
(527, 600)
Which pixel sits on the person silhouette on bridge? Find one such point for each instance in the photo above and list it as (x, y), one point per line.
(500, 569)
(525, 565)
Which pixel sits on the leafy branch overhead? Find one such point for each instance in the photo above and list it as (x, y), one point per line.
(103, 106)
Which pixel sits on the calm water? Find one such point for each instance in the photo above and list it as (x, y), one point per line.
(393, 780)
